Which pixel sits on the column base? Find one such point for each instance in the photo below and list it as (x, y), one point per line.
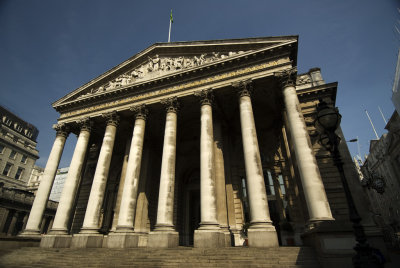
(262, 236)
(124, 229)
(56, 241)
(58, 231)
(123, 240)
(30, 233)
(89, 231)
(163, 239)
(83, 240)
(209, 238)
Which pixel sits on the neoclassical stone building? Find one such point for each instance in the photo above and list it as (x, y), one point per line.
(206, 143)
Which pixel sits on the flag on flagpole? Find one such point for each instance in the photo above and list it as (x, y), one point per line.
(171, 18)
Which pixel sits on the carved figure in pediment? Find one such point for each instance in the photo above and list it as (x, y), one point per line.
(95, 90)
(125, 80)
(162, 64)
(187, 63)
(154, 63)
(169, 64)
(178, 63)
(199, 60)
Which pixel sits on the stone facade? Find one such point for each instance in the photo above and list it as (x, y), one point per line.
(208, 143)
(384, 161)
(18, 152)
(19, 177)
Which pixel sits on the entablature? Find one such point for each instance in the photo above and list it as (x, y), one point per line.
(186, 87)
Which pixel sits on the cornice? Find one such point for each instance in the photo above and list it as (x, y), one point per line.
(329, 89)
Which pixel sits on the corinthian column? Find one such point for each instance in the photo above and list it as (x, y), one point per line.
(63, 214)
(164, 234)
(208, 235)
(42, 195)
(126, 218)
(92, 215)
(261, 232)
(313, 187)
(124, 236)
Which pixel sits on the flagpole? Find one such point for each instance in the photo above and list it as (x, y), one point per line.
(376, 134)
(169, 33)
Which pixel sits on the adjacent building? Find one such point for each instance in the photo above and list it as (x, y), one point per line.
(18, 152)
(34, 180)
(19, 177)
(383, 162)
(204, 143)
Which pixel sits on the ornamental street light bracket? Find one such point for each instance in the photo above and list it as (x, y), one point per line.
(327, 121)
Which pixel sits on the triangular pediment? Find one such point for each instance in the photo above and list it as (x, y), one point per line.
(164, 59)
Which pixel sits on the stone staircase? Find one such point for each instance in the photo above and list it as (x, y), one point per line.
(146, 257)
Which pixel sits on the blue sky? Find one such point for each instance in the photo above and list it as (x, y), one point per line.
(50, 47)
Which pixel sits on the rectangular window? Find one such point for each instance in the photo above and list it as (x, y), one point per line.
(1, 148)
(13, 154)
(282, 184)
(23, 159)
(18, 175)
(7, 169)
(269, 183)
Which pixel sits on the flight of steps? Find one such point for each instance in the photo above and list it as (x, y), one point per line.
(146, 257)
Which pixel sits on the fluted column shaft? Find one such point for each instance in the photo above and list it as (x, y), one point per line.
(42, 195)
(165, 209)
(92, 215)
(259, 211)
(313, 187)
(126, 217)
(208, 203)
(68, 193)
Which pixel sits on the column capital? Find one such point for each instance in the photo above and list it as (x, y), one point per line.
(171, 104)
(85, 123)
(244, 88)
(140, 111)
(287, 78)
(206, 96)
(62, 129)
(112, 118)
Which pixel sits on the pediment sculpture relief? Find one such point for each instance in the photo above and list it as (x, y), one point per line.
(158, 66)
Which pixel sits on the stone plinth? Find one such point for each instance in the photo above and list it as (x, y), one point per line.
(56, 241)
(163, 239)
(262, 237)
(122, 240)
(87, 241)
(209, 239)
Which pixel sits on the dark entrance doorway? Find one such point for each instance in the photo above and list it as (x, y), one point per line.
(190, 213)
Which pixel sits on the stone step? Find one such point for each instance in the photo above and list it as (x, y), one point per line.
(144, 257)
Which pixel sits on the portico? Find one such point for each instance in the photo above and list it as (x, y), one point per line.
(194, 150)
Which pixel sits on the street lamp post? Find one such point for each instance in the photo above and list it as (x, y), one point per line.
(327, 121)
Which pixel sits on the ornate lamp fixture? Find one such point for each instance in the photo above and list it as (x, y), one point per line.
(327, 121)
(374, 181)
